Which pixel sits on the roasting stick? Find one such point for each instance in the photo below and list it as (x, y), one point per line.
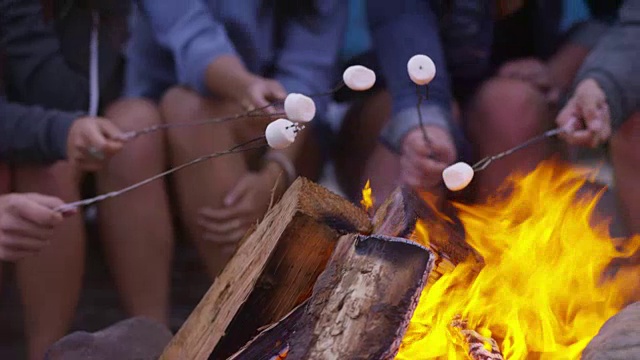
(279, 134)
(421, 71)
(251, 113)
(90, 201)
(482, 164)
(457, 176)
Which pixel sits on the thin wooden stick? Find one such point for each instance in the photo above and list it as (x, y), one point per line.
(234, 150)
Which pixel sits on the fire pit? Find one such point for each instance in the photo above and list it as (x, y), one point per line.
(517, 278)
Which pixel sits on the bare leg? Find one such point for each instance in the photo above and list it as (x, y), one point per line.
(207, 183)
(136, 227)
(50, 282)
(625, 155)
(359, 156)
(505, 113)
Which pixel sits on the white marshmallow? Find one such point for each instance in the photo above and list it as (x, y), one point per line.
(421, 69)
(359, 78)
(457, 176)
(299, 108)
(280, 133)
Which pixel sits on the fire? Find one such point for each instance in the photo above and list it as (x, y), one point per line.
(540, 293)
(367, 197)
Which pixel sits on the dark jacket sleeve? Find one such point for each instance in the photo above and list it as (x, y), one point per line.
(614, 64)
(31, 134)
(36, 70)
(401, 29)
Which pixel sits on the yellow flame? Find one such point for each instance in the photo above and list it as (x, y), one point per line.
(367, 197)
(539, 294)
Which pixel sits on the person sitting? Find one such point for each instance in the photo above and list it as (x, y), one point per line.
(49, 142)
(202, 60)
(538, 46)
(603, 107)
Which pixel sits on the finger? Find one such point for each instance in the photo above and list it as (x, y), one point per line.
(24, 243)
(8, 254)
(581, 138)
(38, 214)
(94, 138)
(237, 192)
(220, 228)
(258, 97)
(226, 239)
(50, 202)
(110, 131)
(276, 91)
(221, 214)
(20, 227)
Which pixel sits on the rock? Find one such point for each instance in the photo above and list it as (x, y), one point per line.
(136, 338)
(619, 338)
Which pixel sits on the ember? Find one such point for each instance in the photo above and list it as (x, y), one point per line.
(538, 294)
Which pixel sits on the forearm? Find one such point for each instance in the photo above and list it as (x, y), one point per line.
(566, 62)
(226, 73)
(33, 134)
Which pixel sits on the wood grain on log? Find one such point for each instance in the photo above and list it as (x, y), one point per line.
(361, 304)
(272, 271)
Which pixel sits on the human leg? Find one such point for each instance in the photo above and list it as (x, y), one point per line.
(50, 281)
(136, 227)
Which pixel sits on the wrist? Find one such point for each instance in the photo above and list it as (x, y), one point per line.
(227, 76)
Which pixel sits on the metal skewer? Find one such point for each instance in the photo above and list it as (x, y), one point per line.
(484, 163)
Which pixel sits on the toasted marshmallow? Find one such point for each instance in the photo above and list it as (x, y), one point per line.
(299, 108)
(457, 176)
(421, 69)
(359, 78)
(280, 133)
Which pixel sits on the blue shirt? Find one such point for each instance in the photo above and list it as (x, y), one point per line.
(403, 28)
(173, 41)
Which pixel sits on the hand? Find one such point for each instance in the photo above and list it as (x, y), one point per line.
(91, 141)
(535, 72)
(259, 92)
(586, 116)
(27, 222)
(243, 206)
(421, 165)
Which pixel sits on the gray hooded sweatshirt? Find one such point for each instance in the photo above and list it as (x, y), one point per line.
(615, 64)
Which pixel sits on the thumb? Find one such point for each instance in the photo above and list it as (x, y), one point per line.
(237, 192)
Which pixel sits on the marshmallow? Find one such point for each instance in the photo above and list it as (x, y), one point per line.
(421, 69)
(359, 78)
(457, 176)
(299, 108)
(280, 133)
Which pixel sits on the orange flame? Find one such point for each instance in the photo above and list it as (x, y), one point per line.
(539, 294)
(367, 197)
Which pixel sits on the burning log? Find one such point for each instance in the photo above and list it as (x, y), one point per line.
(398, 216)
(273, 271)
(360, 307)
(478, 347)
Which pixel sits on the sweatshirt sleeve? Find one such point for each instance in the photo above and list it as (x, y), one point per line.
(31, 134)
(614, 64)
(401, 29)
(35, 67)
(308, 59)
(189, 31)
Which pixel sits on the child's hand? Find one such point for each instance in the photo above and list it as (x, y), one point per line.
(27, 222)
(258, 93)
(91, 141)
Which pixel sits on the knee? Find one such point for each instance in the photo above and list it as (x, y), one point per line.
(625, 142)
(180, 104)
(133, 114)
(508, 107)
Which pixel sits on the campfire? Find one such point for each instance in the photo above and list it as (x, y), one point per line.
(540, 292)
(520, 277)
